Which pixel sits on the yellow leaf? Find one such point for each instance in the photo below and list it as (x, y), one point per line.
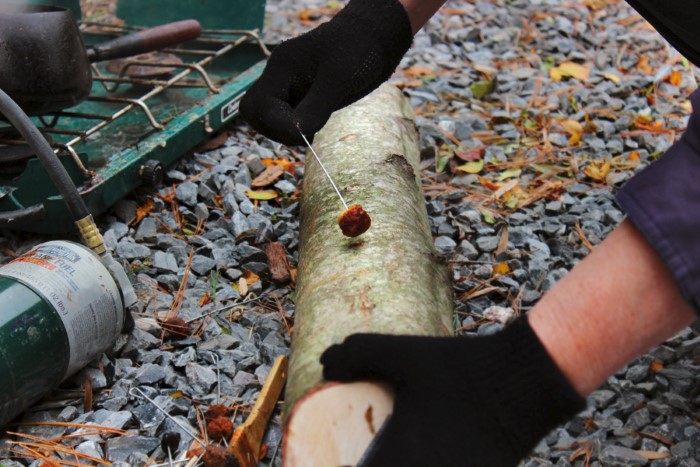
(473, 167)
(611, 77)
(675, 78)
(556, 74)
(597, 170)
(250, 277)
(501, 268)
(262, 195)
(510, 173)
(572, 127)
(571, 70)
(633, 156)
(574, 139)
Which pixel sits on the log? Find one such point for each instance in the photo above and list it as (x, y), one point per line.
(388, 280)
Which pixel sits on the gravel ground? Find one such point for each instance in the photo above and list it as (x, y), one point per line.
(561, 101)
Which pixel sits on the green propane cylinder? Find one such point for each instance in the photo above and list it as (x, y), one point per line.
(59, 309)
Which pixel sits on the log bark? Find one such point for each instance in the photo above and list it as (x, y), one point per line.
(389, 279)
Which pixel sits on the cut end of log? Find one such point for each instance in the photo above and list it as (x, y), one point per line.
(354, 221)
(334, 424)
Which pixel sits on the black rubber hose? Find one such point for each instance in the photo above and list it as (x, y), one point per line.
(53, 167)
(10, 219)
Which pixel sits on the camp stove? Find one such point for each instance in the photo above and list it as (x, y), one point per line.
(142, 114)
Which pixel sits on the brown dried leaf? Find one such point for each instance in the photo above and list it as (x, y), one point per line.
(87, 397)
(277, 262)
(214, 142)
(267, 176)
(502, 244)
(142, 211)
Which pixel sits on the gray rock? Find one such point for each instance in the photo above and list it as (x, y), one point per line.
(201, 265)
(220, 342)
(150, 373)
(200, 378)
(119, 448)
(147, 230)
(187, 193)
(621, 456)
(488, 244)
(115, 420)
(445, 245)
(129, 250)
(165, 262)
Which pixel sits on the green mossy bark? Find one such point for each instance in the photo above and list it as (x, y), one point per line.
(389, 279)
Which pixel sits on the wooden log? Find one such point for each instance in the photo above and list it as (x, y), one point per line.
(388, 280)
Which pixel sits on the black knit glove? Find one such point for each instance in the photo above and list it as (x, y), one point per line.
(460, 401)
(311, 76)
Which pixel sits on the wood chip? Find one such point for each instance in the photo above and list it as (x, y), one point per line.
(267, 176)
(277, 262)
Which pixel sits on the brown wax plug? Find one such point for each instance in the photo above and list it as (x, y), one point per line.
(354, 221)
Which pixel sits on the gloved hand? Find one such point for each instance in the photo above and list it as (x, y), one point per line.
(483, 401)
(311, 76)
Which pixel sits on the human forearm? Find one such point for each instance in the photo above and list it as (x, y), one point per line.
(617, 303)
(420, 11)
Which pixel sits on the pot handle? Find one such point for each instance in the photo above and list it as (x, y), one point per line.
(146, 40)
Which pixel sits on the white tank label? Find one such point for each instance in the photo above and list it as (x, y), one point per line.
(81, 290)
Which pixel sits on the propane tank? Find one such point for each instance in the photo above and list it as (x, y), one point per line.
(60, 307)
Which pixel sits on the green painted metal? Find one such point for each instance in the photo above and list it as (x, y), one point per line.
(213, 14)
(34, 348)
(117, 152)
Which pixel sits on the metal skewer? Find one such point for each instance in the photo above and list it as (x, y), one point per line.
(324, 168)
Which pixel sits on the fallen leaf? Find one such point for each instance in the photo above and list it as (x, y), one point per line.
(267, 176)
(473, 167)
(655, 366)
(675, 78)
(572, 126)
(87, 397)
(473, 154)
(597, 170)
(250, 277)
(569, 70)
(611, 77)
(488, 217)
(501, 268)
(510, 173)
(214, 142)
(502, 243)
(419, 72)
(644, 67)
(242, 286)
(261, 195)
(142, 211)
(480, 89)
(489, 184)
(633, 156)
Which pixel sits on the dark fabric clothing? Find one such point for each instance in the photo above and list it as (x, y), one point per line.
(663, 202)
(677, 20)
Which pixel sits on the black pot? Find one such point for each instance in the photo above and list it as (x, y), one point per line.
(44, 65)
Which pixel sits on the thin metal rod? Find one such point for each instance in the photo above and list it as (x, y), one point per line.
(324, 169)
